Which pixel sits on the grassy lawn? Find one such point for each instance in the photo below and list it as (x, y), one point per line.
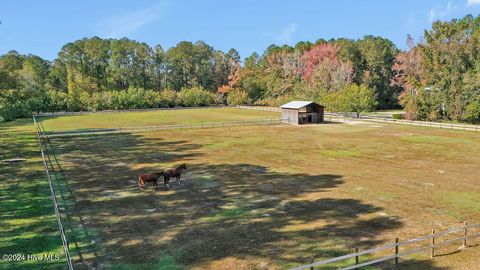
(268, 197)
(27, 220)
(152, 118)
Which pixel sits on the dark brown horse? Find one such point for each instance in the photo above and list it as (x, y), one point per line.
(175, 172)
(142, 179)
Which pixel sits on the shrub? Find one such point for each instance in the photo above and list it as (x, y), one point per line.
(472, 112)
(398, 116)
(237, 97)
(57, 101)
(13, 104)
(100, 101)
(352, 98)
(195, 96)
(168, 98)
(220, 99)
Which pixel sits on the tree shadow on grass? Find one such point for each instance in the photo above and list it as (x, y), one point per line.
(27, 220)
(222, 211)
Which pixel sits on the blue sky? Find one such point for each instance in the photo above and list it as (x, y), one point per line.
(43, 27)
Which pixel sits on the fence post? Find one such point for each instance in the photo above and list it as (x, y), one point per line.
(311, 261)
(396, 251)
(433, 243)
(465, 234)
(357, 259)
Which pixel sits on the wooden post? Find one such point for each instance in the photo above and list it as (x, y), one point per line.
(465, 234)
(433, 243)
(311, 261)
(396, 251)
(357, 259)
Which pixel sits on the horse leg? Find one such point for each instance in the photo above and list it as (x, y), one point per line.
(166, 180)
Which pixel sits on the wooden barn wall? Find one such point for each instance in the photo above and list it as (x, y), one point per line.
(290, 116)
(321, 114)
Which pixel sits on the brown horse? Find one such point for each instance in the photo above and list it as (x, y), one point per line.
(175, 172)
(142, 179)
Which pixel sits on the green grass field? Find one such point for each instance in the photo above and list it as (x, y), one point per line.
(27, 220)
(152, 118)
(266, 197)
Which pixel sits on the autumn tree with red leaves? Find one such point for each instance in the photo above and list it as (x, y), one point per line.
(323, 69)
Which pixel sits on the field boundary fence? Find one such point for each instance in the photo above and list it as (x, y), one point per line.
(65, 113)
(259, 108)
(334, 117)
(171, 127)
(395, 246)
(339, 117)
(53, 193)
(71, 226)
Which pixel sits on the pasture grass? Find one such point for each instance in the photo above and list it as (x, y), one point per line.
(27, 219)
(269, 197)
(153, 118)
(279, 195)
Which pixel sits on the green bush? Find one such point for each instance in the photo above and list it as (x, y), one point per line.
(168, 98)
(57, 101)
(398, 116)
(237, 97)
(195, 96)
(472, 112)
(13, 104)
(22, 103)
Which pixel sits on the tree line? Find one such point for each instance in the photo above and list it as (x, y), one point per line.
(434, 79)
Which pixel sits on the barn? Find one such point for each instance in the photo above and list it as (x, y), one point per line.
(302, 112)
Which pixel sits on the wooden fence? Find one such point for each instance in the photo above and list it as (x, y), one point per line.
(174, 127)
(338, 117)
(395, 248)
(260, 108)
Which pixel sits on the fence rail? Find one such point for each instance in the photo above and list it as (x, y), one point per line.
(178, 127)
(395, 247)
(338, 117)
(61, 228)
(260, 108)
(65, 113)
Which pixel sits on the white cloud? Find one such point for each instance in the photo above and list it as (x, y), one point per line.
(287, 33)
(442, 12)
(127, 24)
(473, 2)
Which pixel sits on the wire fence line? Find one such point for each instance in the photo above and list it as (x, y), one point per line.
(65, 241)
(172, 127)
(75, 222)
(66, 113)
(395, 248)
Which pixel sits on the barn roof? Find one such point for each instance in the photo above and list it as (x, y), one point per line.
(296, 104)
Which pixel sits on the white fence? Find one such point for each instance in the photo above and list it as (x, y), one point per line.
(338, 117)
